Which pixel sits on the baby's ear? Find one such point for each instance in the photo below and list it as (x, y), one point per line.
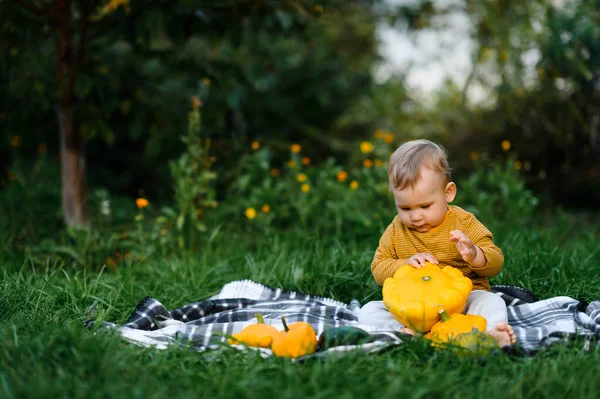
(450, 191)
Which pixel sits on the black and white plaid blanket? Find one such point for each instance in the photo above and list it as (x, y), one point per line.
(207, 324)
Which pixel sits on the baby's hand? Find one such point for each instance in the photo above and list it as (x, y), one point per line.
(465, 246)
(418, 260)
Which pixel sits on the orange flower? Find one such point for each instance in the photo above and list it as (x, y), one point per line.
(15, 141)
(353, 184)
(292, 163)
(301, 178)
(195, 102)
(319, 9)
(305, 187)
(141, 202)
(42, 148)
(518, 165)
(10, 176)
(306, 161)
(296, 148)
(250, 213)
(505, 145)
(367, 163)
(265, 208)
(206, 81)
(378, 162)
(378, 134)
(342, 176)
(275, 172)
(388, 137)
(255, 145)
(474, 156)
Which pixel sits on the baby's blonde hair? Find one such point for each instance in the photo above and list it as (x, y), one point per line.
(405, 163)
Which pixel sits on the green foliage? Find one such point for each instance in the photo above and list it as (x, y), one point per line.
(332, 199)
(496, 193)
(29, 202)
(273, 69)
(193, 179)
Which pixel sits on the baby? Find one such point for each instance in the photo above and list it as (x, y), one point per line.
(428, 229)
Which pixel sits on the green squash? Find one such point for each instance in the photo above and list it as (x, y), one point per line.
(344, 335)
(474, 343)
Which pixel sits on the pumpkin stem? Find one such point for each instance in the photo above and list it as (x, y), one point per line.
(285, 326)
(260, 318)
(444, 315)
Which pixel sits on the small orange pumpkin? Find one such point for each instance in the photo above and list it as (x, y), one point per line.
(452, 325)
(297, 340)
(258, 335)
(415, 296)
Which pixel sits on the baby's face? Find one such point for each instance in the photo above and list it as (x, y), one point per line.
(424, 206)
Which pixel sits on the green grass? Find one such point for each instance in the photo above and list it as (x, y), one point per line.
(46, 352)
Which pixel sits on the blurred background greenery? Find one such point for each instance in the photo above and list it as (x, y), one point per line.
(267, 114)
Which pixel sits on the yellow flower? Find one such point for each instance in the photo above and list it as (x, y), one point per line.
(306, 161)
(389, 137)
(505, 145)
(341, 176)
(319, 9)
(474, 155)
(378, 162)
(275, 172)
(518, 165)
(301, 178)
(265, 208)
(366, 147)
(305, 187)
(195, 102)
(353, 184)
(292, 163)
(141, 202)
(250, 213)
(367, 163)
(296, 148)
(15, 141)
(378, 134)
(255, 145)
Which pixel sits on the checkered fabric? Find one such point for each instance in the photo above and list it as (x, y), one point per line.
(207, 324)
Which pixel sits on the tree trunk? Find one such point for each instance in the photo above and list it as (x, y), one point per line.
(71, 140)
(73, 168)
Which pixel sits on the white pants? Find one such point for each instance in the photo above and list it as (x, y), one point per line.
(480, 302)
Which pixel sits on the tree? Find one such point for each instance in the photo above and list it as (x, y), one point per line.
(164, 48)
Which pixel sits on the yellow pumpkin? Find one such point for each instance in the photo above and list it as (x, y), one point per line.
(259, 335)
(298, 339)
(450, 326)
(415, 296)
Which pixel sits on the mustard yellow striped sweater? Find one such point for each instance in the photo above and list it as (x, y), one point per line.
(398, 243)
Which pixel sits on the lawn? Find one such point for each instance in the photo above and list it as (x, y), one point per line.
(45, 351)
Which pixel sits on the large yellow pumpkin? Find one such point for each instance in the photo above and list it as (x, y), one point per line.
(415, 296)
